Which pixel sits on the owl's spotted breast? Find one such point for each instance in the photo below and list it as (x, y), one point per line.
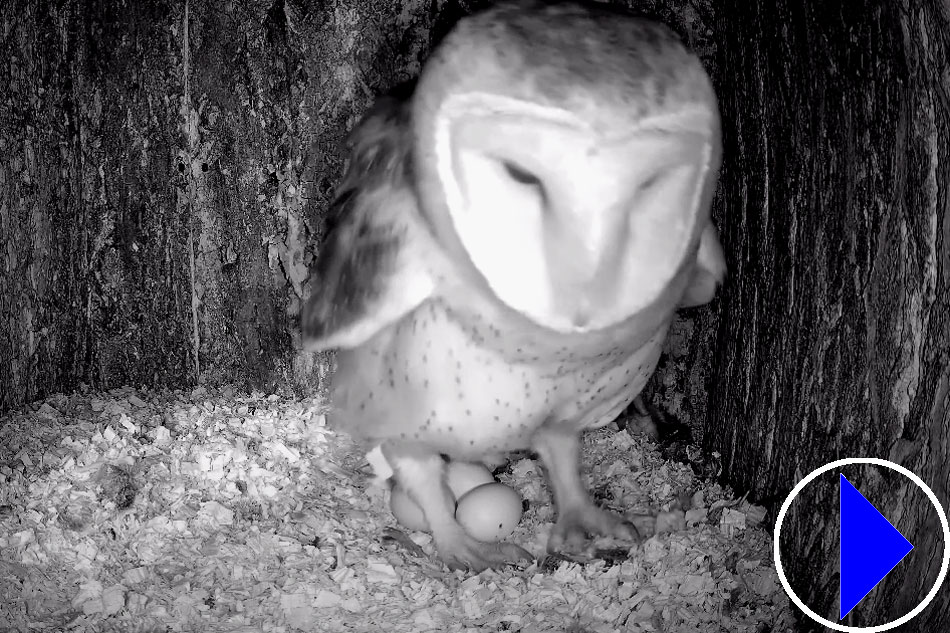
(435, 379)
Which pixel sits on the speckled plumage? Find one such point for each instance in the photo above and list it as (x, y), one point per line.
(430, 361)
(445, 377)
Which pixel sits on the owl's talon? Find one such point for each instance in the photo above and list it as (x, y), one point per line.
(574, 525)
(461, 552)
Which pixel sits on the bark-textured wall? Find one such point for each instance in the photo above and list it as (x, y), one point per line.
(164, 169)
(833, 332)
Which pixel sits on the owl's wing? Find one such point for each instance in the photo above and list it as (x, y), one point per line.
(372, 268)
(708, 272)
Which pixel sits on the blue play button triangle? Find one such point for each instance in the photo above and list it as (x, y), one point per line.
(870, 546)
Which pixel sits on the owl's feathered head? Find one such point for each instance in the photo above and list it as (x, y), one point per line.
(568, 153)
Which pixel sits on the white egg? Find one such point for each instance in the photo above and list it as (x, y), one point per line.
(407, 511)
(464, 476)
(490, 512)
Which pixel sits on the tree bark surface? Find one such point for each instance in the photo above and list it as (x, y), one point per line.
(166, 166)
(831, 337)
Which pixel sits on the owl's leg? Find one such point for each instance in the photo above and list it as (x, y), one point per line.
(420, 472)
(578, 516)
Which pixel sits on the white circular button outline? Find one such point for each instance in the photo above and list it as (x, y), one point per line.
(943, 524)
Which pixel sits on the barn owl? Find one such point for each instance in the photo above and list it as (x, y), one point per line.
(508, 247)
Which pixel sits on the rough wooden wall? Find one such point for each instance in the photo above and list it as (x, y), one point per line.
(164, 170)
(834, 333)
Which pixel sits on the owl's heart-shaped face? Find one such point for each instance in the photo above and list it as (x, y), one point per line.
(574, 226)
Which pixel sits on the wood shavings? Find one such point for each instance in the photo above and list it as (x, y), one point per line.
(218, 511)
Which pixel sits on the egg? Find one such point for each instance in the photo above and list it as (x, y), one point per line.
(461, 477)
(464, 476)
(407, 512)
(490, 512)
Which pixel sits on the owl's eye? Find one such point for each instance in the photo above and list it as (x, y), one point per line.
(521, 175)
(647, 184)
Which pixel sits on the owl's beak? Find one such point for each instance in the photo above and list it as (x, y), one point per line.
(612, 234)
(584, 253)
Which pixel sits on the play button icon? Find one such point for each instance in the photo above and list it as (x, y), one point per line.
(870, 546)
